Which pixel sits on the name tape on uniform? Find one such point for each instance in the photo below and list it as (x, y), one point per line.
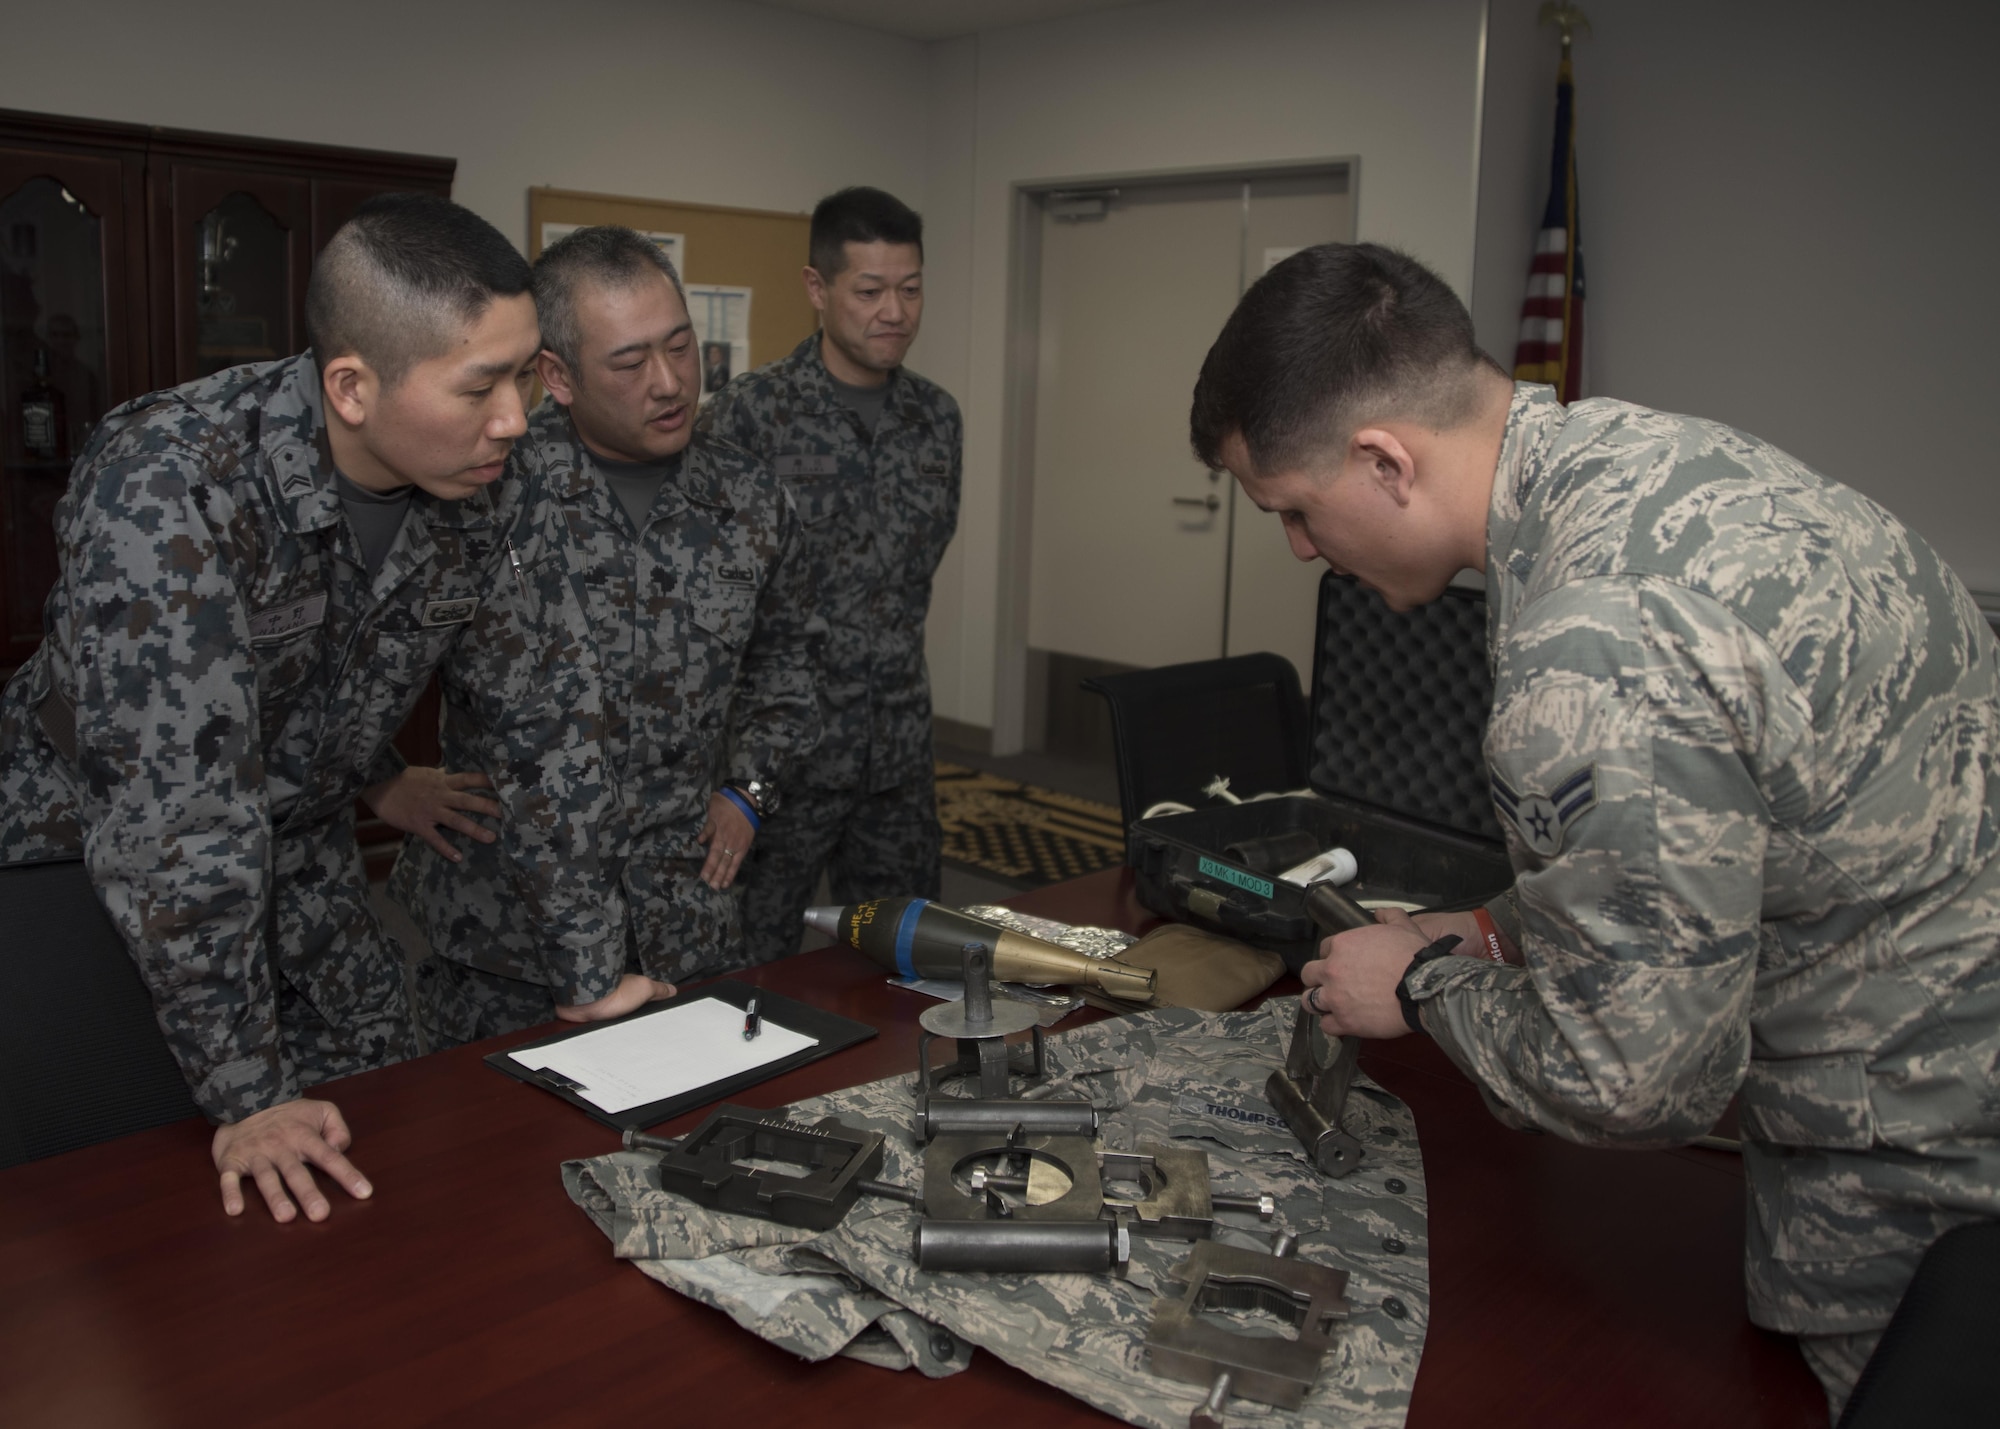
(805, 464)
(280, 622)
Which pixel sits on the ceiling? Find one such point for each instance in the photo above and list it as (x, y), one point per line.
(942, 19)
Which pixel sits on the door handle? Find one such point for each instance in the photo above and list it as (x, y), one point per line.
(1210, 502)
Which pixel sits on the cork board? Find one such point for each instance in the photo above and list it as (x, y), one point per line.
(737, 247)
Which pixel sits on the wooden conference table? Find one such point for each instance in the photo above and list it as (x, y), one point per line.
(1569, 1286)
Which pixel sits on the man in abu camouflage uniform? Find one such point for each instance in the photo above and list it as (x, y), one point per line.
(871, 453)
(662, 598)
(1745, 744)
(259, 570)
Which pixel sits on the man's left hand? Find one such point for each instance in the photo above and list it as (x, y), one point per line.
(424, 801)
(728, 835)
(1357, 975)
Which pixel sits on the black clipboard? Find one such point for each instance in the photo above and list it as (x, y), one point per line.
(835, 1033)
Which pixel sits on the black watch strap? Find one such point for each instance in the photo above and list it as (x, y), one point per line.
(1440, 949)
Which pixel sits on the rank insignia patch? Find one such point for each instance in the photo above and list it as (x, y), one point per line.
(737, 575)
(1542, 819)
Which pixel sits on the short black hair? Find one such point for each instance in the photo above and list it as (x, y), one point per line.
(399, 281)
(606, 254)
(1334, 336)
(860, 215)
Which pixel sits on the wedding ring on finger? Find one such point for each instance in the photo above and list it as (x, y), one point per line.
(1312, 1000)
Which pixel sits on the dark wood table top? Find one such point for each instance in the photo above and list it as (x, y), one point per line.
(1569, 1286)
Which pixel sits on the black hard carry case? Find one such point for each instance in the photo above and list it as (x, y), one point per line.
(1388, 747)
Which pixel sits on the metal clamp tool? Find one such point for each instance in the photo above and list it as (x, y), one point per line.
(1054, 1227)
(1311, 1092)
(836, 1161)
(1182, 1344)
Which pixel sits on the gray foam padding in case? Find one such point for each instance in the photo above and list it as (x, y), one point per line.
(1400, 705)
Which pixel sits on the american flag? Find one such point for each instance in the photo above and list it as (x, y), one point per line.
(1551, 343)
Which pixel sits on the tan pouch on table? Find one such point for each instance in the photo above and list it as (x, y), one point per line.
(1205, 971)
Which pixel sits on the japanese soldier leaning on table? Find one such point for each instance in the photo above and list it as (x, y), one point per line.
(259, 571)
(1745, 745)
(664, 604)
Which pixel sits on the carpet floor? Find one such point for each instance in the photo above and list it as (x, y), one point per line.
(1022, 832)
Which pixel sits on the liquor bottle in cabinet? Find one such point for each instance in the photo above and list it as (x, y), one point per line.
(44, 416)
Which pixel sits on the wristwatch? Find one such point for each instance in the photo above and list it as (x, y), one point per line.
(1440, 949)
(763, 796)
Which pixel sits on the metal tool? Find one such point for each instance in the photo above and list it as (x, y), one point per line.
(705, 1165)
(1050, 1222)
(980, 1027)
(1022, 1246)
(1311, 1092)
(1177, 1202)
(938, 1115)
(1066, 1166)
(1186, 1343)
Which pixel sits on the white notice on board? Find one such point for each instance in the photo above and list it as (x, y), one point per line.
(663, 1054)
(674, 245)
(722, 328)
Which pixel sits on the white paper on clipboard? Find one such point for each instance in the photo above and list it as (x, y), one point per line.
(663, 1054)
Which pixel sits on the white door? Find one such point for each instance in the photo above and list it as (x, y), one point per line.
(1140, 555)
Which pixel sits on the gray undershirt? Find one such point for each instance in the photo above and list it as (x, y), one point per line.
(635, 483)
(375, 516)
(865, 402)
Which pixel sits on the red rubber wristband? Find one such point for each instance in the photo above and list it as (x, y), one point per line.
(1489, 935)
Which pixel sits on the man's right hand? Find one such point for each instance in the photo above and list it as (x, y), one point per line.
(632, 993)
(277, 1148)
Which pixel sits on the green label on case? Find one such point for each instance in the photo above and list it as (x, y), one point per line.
(1262, 887)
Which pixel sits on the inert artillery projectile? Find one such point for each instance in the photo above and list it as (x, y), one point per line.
(914, 937)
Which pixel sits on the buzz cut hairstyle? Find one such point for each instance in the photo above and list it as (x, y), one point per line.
(860, 215)
(605, 255)
(400, 282)
(1332, 338)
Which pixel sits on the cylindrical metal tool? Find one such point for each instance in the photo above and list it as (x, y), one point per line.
(1022, 1246)
(915, 938)
(936, 1116)
(891, 1191)
(1334, 911)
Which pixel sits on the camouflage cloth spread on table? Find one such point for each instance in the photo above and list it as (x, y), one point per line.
(1172, 1074)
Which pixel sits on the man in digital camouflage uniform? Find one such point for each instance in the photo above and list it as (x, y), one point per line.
(663, 600)
(1745, 744)
(259, 571)
(871, 453)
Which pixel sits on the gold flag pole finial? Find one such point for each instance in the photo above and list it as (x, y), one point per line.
(1567, 19)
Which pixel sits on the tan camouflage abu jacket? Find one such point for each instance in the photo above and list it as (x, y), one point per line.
(1745, 746)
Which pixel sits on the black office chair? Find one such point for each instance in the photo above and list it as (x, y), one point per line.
(81, 1058)
(1178, 727)
(1938, 1363)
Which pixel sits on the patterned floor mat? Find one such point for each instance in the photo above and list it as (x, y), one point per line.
(1022, 832)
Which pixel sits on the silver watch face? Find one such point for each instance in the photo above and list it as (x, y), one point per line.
(763, 796)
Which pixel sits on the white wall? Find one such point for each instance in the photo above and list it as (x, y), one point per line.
(1788, 219)
(698, 101)
(1180, 84)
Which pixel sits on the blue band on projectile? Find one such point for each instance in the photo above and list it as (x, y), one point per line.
(906, 936)
(744, 804)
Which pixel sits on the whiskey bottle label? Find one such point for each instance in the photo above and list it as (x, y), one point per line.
(38, 427)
